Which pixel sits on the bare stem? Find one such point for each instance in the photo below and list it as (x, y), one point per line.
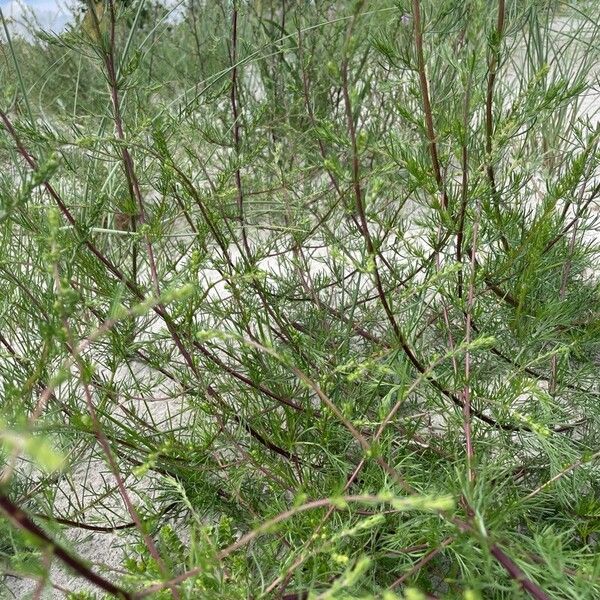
(423, 81)
(23, 521)
(236, 126)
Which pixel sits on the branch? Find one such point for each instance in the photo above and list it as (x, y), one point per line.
(23, 521)
(418, 28)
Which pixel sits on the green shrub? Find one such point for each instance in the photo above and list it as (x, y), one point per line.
(300, 299)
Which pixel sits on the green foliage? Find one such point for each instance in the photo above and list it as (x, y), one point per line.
(300, 300)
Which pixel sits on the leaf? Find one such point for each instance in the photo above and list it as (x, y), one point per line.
(39, 448)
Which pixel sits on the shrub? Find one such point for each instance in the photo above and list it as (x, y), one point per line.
(299, 299)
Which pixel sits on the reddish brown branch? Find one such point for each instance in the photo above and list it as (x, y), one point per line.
(489, 113)
(517, 574)
(428, 113)
(422, 562)
(23, 521)
(236, 126)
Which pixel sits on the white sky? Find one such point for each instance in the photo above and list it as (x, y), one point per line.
(50, 14)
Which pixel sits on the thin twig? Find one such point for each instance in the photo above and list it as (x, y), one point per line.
(429, 127)
(236, 126)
